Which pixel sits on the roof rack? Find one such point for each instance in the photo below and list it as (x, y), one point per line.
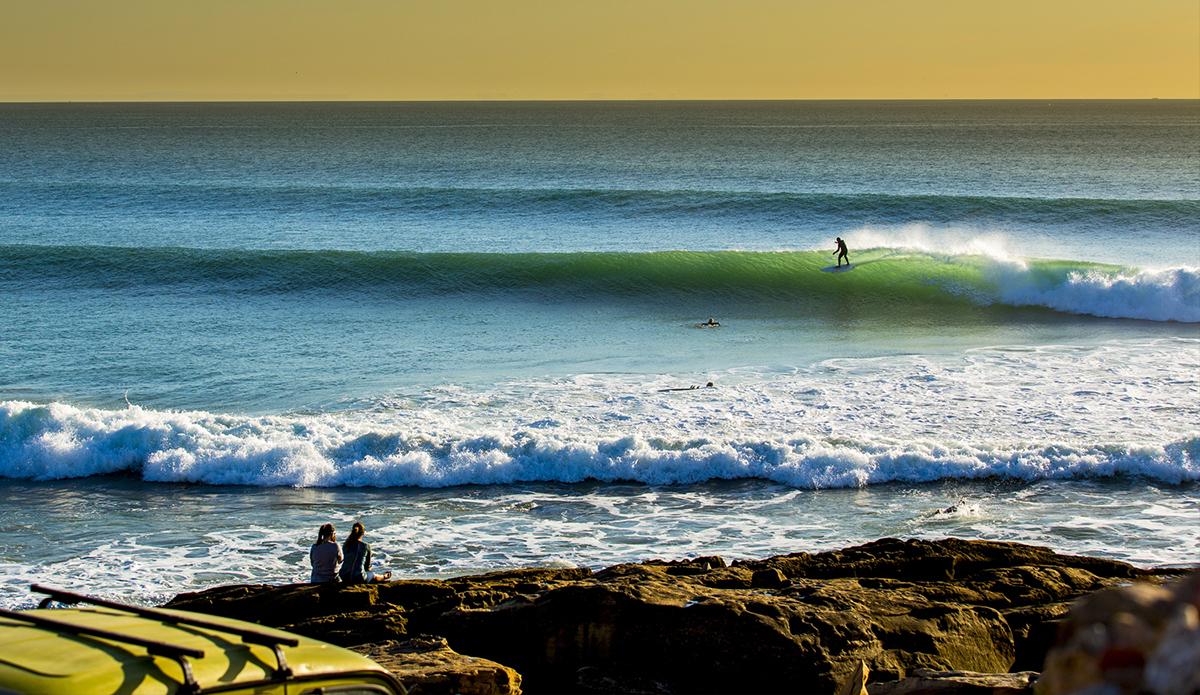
(275, 642)
(171, 651)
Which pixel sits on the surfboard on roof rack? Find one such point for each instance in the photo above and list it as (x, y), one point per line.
(131, 649)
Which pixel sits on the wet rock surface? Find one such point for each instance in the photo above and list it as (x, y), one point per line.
(794, 623)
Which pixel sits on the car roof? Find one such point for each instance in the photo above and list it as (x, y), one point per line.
(46, 659)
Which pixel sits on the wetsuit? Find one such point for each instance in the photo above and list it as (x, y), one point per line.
(357, 567)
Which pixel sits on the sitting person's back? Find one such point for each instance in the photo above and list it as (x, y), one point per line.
(357, 566)
(325, 556)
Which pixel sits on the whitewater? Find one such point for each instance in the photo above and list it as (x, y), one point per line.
(961, 417)
(475, 327)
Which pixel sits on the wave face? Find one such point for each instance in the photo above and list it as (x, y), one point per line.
(914, 276)
(519, 220)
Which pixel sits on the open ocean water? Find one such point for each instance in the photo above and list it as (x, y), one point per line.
(222, 325)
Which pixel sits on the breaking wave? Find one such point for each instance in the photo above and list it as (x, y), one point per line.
(920, 278)
(425, 449)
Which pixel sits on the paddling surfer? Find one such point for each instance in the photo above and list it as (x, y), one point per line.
(840, 252)
(709, 385)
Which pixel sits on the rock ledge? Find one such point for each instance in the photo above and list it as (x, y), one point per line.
(793, 623)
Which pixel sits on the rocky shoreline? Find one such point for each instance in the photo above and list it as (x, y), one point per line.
(791, 623)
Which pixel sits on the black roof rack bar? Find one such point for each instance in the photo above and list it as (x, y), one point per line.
(248, 636)
(171, 651)
(252, 636)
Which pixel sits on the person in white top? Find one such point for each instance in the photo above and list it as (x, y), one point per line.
(326, 556)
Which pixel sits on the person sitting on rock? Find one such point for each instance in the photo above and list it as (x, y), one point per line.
(325, 556)
(357, 567)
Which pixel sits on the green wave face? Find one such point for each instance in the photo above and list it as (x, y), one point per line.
(881, 277)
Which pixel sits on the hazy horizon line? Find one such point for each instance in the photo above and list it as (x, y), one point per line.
(336, 100)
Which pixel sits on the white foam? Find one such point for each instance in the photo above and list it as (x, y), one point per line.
(141, 568)
(1171, 294)
(1029, 414)
(200, 536)
(1154, 294)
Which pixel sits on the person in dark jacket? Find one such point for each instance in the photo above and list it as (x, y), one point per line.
(356, 569)
(841, 252)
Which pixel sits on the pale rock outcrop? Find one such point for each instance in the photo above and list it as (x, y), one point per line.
(1131, 639)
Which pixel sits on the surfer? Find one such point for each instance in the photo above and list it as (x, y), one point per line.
(709, 385)
(709, 323)
(840, 252)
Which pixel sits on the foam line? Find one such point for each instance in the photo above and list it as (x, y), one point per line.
(59, 441)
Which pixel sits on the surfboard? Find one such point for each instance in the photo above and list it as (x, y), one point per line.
(835, 269)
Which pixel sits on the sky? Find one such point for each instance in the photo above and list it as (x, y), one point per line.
(369, 50)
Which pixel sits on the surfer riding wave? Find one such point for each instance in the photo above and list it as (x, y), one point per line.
(841, 252)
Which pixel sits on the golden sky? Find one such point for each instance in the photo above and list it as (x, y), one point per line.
(105, 50)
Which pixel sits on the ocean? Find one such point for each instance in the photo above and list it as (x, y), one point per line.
(476, 327)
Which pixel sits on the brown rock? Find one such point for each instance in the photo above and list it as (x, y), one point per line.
(595, 679)
(997, 564)
(421, 600)
(791, 623)
(349, 629)
(1034, 630)
(430, 663)
(768, 578)
(1032, 586)
(958, 683)
(856, 684)
(641, 623)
